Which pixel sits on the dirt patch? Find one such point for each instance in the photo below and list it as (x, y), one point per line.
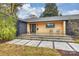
(68, 53)
(3, 41)
(19, 50)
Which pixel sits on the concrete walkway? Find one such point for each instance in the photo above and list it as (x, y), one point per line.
(48, 44)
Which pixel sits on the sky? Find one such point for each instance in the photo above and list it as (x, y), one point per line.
(38, 8)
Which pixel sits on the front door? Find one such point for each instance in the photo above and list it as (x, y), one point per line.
(33, 28)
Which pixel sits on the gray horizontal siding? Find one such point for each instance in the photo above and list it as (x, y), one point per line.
(21, 27)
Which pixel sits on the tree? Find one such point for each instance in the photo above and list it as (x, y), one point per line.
(7, 27)
(8, 21)
(9, 8)
(50, 10)
(14, 7)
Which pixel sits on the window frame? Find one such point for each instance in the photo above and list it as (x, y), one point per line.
(50, 25)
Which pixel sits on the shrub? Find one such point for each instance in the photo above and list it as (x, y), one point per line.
(7, 27)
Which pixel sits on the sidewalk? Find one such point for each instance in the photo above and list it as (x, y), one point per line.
(48, 44)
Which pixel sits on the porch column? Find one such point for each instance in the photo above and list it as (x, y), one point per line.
(28, 28)
(64, 26)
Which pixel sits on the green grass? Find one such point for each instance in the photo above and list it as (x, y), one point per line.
(18, 50)
(76, 41)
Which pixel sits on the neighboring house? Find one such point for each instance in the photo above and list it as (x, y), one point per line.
(45, 25)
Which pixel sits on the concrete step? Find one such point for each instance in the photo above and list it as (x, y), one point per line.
(47, 37)
(52, 39)
(43, 37)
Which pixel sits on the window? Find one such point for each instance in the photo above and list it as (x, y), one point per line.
(50, 25)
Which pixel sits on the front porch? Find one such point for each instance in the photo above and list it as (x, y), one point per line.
(48, 37)
(40, 31)
(47, 28)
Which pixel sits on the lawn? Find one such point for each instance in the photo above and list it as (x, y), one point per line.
(18, 50)
(76, 41)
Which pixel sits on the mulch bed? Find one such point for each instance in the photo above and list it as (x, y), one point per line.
(3, 41)
(68, 53)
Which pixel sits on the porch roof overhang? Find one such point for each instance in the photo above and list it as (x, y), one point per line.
(54, 18)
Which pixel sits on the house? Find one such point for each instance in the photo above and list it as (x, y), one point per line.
(45, 25)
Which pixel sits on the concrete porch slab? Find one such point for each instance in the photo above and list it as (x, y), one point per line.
(33, 43)
(75, 46)
(48, 44)
(13, 41)
(62, 46)
(22, 42)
